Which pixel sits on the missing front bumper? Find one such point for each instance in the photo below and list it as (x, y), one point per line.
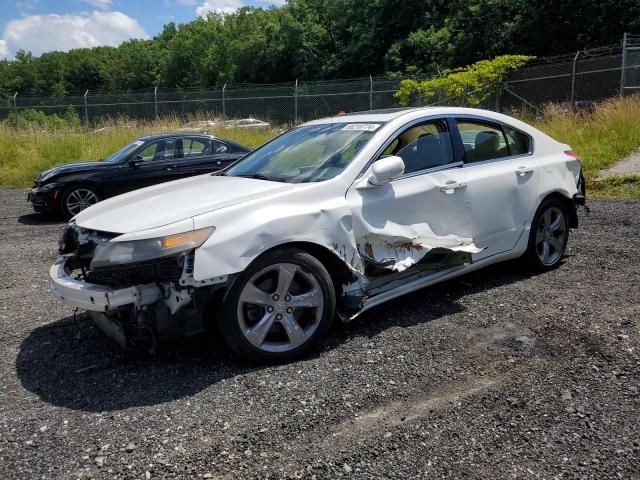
(97, 298)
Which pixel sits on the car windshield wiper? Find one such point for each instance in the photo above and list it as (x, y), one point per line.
(260, 176)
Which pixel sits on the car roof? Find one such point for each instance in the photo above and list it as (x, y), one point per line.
(160, 136)
(385, 116)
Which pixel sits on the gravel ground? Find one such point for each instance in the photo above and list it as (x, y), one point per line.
(498, 374)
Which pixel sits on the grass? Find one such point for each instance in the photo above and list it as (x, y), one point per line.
(601, 138)
(26, 152)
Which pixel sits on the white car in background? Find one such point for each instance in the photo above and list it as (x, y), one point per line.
(327, 220)
(200, 126)
(246, 123)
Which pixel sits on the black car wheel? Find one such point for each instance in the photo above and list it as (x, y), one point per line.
(77, 198)
(548, 236)
(279, 308)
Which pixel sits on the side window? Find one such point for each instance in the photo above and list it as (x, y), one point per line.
(164, 149)
(195, 147)
(482, 141)
(422, 147)
(519, 143)
(218, 147)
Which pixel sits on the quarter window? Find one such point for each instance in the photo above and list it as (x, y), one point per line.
(519, 143)
(482, 141)
(422, 147)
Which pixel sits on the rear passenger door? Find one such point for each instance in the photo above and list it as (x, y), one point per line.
(202, 155)
(502, 182)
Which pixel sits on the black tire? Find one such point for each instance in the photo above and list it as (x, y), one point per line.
(67, 213)
(534, 256)
(234, 314)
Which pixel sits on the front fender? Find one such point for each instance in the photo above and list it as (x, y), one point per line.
(244, 232)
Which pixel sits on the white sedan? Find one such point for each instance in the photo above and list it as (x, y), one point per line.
(327, 220)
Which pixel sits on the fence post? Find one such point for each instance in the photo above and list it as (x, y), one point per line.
(573, 79)
(15, 106)
(155, 100)
(295, 103)
(86, 109)
(224, 107)
(624, 64)
(370, 92)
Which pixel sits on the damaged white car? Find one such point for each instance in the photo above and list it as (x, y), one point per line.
(326, 220)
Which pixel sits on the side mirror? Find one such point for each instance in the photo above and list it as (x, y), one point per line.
(135, 161)
(385, 170)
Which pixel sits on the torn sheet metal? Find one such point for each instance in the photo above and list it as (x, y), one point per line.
(403, 246)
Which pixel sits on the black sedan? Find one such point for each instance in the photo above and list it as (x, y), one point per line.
(68, 189)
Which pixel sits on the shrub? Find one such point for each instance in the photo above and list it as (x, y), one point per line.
(473, 84)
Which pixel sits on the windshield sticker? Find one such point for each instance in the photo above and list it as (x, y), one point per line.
(361, 127)
(138, 143)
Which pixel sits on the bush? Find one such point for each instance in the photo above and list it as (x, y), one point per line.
(30, 117)
(473, 85)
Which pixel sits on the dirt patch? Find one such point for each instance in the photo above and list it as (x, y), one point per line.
(630, 165)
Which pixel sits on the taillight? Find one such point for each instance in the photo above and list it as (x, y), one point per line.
(572, 154)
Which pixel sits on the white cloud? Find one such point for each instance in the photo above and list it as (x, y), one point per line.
(101, 4)
(218, 6)
(43, 33)
(3, 49)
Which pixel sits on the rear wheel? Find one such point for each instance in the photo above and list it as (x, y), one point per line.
(548, 236)
(77, 198)
(279, 308)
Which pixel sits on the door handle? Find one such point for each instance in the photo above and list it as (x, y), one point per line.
(522, 171)
(170, 167)
(451, 186)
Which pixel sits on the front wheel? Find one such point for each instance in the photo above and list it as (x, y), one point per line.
(548, 236)
(279, 308)
(77, 198)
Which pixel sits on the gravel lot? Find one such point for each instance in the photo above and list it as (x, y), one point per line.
(499, 374)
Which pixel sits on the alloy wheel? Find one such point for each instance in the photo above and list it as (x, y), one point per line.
(280, 307)
(551, 235)
(79, 199)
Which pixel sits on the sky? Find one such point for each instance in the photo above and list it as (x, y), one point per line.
(44, 25)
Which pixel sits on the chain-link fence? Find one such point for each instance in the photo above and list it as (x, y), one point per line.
(576, 79)
(279, 103)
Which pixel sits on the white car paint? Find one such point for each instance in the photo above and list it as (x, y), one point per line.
(480, 213)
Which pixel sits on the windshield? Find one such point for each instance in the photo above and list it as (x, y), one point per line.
(307, 154)
(123, 152)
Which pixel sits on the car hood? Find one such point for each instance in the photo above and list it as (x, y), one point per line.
(70, 168)
(171, 202)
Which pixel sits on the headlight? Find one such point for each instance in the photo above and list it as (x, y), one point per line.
(46, 175)
(118, 253)
(49, 186)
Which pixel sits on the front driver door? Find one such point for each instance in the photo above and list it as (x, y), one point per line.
(396, 225)
(154, 163)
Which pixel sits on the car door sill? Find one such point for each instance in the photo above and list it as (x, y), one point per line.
(426, 279)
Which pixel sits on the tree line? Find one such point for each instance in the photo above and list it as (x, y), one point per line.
(326, 39)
